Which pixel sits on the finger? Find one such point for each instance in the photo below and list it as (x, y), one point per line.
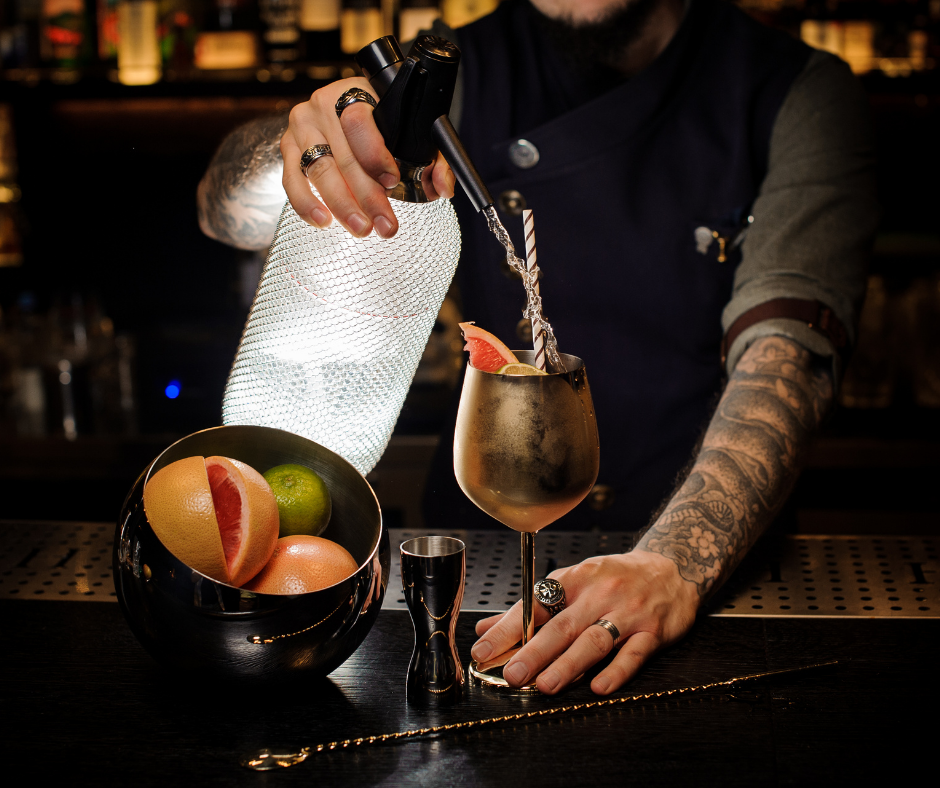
(633, 653)
(484, 624)
(365, 193)
(504, 632)
(589, 648)
(301, 196)
(367, 143)
(354, 198)
(548, 644)
(443, 180)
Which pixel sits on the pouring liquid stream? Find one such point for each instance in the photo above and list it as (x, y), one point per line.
(530, 279)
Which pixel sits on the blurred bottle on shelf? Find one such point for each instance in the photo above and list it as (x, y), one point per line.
(23, 341)
(19, 34)
(871, 375)
(852, 40)
(229, 36)
(281, 37)
(362, 22)
(138, 59)
(65, 36)
(178, 30)
(458, 13)
(320, 26)
(415, 16)
(65, 372)
(106, 22)
(11, 219)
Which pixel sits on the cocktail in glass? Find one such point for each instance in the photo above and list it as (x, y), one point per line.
(525, 452)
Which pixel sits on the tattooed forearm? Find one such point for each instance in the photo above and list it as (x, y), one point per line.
(240, 197)
(748, 462)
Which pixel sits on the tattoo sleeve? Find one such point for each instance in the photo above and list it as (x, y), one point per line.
(240, 197)
(749, 459)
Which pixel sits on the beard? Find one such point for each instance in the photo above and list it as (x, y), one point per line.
(589, 45)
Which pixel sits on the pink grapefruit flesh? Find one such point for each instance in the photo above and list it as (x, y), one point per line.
(246, 511)
(487, 353)
(215, 514)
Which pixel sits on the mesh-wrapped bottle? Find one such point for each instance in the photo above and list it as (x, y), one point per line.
(338, 326)
(339, 323)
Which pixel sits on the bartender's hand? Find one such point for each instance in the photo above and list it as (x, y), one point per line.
(641, 593)
(351, 182)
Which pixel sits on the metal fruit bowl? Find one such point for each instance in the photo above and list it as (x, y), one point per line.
(191, 622)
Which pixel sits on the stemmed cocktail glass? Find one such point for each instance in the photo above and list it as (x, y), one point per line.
(526, 453)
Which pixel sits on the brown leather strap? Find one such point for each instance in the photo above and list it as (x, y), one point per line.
(815, 314)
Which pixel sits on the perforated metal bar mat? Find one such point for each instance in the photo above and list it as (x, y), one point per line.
(41, 560)
(794, 576)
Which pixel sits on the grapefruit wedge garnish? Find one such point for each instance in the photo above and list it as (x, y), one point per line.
(487, 353)
(216, 515)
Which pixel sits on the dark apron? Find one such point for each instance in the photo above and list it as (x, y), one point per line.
(622, 182)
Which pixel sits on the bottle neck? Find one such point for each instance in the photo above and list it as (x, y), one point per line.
(411, 186)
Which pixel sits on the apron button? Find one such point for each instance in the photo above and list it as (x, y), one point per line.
(523, 154)
(524, 330)
(511, 203)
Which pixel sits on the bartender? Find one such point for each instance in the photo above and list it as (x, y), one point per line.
(703, 191)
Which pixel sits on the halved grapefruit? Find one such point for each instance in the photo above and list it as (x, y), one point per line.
(215, 514)
(487, 353)
(301, 564)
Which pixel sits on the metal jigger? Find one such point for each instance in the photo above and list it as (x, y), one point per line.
(433, 571)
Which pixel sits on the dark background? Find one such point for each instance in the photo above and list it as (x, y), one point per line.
(108, 176)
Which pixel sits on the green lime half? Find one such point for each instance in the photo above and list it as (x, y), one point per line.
(519, 369)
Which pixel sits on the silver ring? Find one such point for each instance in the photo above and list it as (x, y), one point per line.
(550, 594)
(351, 96)
(614, 632)
(313, 153)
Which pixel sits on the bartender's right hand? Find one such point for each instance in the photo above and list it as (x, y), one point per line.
(351, 182)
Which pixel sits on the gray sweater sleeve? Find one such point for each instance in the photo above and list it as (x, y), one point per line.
(816, 214)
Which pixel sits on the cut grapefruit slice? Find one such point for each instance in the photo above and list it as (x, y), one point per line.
(215, 514)
(487, 353)
(178, 505)
(246, 511)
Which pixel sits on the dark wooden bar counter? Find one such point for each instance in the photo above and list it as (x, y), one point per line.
(84, 704)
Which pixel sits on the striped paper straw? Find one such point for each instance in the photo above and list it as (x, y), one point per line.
(531, 263)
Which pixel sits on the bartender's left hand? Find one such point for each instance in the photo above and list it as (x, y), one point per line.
(641, 593)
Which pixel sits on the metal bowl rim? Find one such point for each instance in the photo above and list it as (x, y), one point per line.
(363, 565)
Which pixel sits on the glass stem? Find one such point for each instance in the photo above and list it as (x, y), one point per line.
(528, 586)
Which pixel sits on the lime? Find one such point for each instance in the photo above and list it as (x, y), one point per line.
(519, 369)
(303, 500)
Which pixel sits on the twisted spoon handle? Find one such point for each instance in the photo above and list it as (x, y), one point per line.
(267, 759)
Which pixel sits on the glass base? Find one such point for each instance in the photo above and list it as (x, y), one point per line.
(490, 674)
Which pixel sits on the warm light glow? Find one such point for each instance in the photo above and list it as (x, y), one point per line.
(139, 61)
